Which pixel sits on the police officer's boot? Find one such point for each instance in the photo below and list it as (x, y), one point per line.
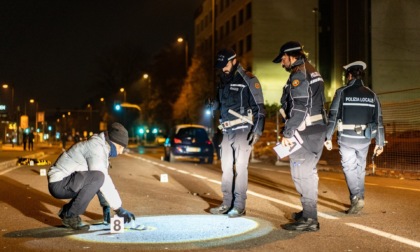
(222, 209)
(303, 224)
(357, 205)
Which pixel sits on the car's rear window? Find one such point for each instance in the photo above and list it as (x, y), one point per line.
(199, 134)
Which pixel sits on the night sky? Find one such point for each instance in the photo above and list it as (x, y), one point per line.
(48, 48)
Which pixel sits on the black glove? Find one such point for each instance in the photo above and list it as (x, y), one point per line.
(107, 214)
(121, 212)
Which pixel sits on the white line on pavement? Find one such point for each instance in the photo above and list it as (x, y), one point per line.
(386, 235)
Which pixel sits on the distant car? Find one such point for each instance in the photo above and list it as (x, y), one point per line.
(188, 141)
(160, 140)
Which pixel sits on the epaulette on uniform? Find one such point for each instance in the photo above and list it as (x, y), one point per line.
(249, 74)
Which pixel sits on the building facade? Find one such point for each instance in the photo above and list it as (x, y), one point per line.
(334, 33)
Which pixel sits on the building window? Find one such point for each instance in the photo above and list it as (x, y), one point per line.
(222, 5)
(241, 17)
(227, 3)
(249, 43)
(221, 32)
(241, 47)
(210, 17)
(227, 26)
(248, 11)
(233, 22)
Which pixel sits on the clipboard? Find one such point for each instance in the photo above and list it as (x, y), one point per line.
(284, 151)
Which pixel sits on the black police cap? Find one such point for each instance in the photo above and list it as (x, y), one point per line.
(286, 48)
(223, 57)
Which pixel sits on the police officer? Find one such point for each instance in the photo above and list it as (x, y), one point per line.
(242, 115)
(302, 107)
(356, 112)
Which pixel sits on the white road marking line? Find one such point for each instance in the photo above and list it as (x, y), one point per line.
(404, 188)
(386, 235)
(323, 215)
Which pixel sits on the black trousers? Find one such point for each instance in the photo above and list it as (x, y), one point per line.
(80, 187)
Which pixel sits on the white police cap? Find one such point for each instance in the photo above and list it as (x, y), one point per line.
(354, 64)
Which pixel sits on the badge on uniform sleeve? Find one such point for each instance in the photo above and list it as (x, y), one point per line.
(295, 83)
(257, 85)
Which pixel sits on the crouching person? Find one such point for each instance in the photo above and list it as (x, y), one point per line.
(82, 172)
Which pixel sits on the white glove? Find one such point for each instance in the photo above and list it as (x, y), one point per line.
(378, 150)
(328, 145)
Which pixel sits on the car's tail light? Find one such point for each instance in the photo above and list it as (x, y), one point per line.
(208, 142)
(177, 140)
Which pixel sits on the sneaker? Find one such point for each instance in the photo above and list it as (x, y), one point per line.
(303, 224)
(357, 205)
(222, 209)
(296, 216)
(75, 223)
(236, 212)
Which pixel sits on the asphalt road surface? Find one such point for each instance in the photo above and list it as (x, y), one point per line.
(174, 216)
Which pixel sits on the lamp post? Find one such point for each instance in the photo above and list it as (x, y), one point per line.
(181, 40)
(36, 111)
(11, 110)
(7, 86)
(122, 90)
(315, 11)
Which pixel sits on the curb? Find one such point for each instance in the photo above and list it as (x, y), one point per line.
(12, 163)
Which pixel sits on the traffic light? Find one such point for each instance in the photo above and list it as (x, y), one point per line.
(117, 107)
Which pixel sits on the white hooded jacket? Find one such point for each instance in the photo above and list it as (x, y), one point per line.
(90, 155)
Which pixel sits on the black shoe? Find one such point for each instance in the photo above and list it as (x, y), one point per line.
(357, 205)
(222, 209)
(75, 223)
(236, 212)
(63, 211)
(303, 224)
(296, 216)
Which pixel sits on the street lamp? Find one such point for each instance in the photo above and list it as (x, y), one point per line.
(181, 40)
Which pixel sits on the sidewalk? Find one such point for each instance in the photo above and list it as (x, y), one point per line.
(9, 154)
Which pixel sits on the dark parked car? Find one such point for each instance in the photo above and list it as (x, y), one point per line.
(189, 141)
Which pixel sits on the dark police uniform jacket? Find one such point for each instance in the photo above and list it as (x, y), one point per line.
(242, 93)
(303, 101)
(356, 105)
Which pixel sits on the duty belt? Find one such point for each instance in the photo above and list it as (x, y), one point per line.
(353, 126)
(308, 121)
(241, 119)
(316, 118)
(358, 128)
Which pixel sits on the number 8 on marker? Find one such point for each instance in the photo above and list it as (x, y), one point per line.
(117, 224)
